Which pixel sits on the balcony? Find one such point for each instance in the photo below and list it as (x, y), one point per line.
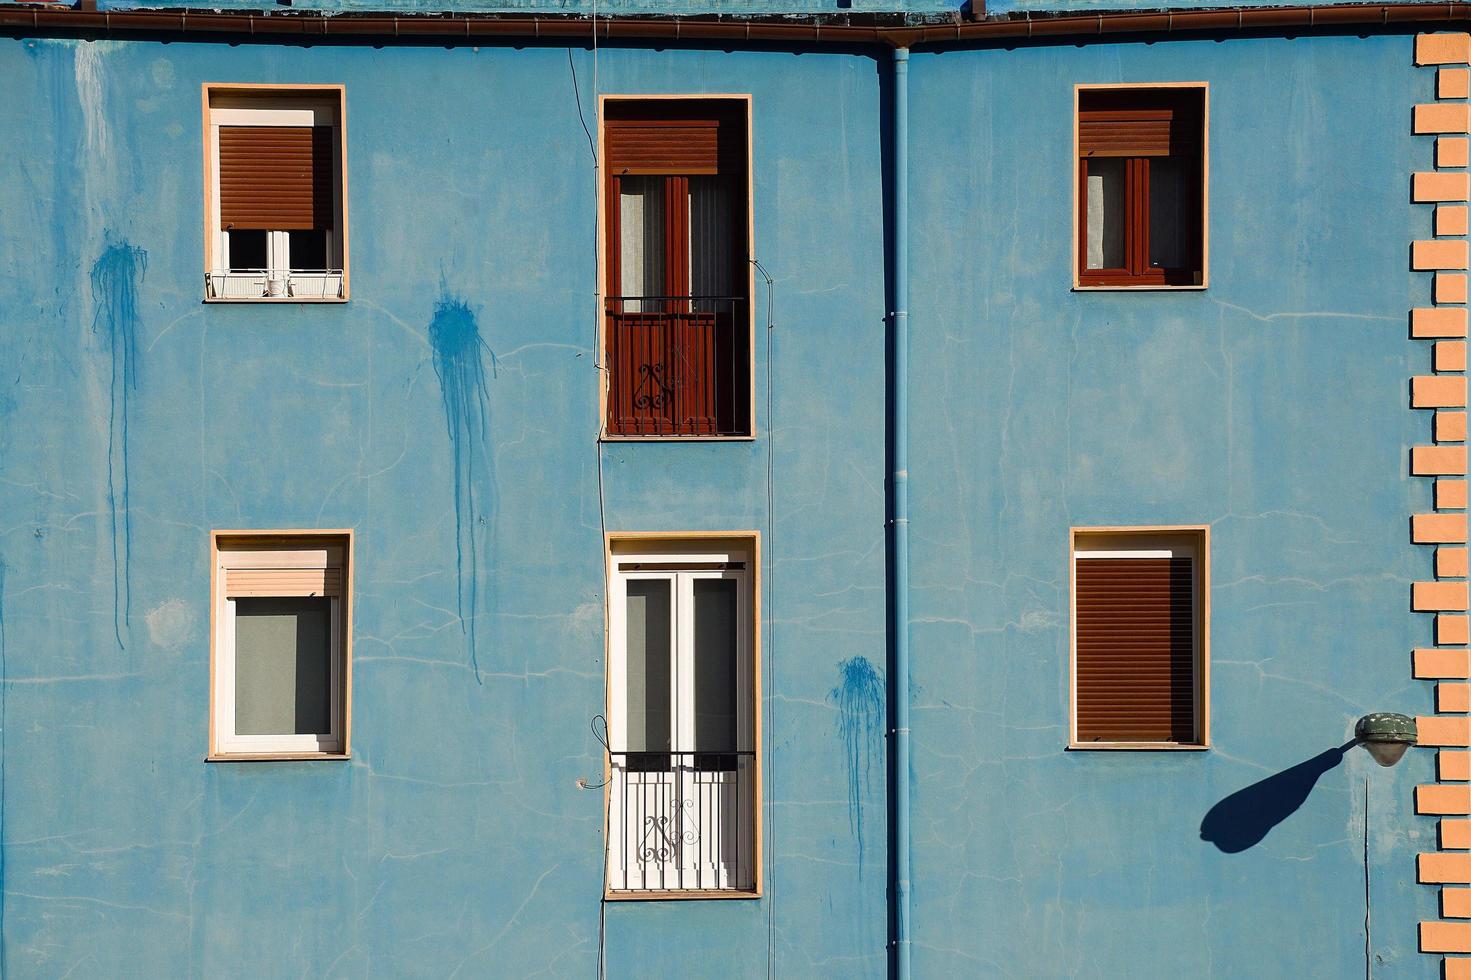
(297, 284)
(678, 366)
(681, 822)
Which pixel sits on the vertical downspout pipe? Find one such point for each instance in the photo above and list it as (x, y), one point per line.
(899, 517)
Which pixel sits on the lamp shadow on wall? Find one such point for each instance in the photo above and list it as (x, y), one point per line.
(1243, 819)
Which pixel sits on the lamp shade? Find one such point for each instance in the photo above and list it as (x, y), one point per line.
(1386, 735)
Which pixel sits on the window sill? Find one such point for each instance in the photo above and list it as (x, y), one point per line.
(605, 437)
(1139, 288)
(275, 299)
(677, 896)
(278, 757)
(1137, 747)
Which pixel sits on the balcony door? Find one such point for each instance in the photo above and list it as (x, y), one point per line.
(682, 793)
(677, 330)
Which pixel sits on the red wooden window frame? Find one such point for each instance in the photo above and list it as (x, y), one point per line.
(1139, 126)
(676, 366)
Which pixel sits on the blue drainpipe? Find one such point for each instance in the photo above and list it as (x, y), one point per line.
(899, 518)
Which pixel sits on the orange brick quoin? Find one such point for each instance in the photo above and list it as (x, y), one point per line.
(1452, 766)
(1431, 187)
(1438, 321)
(1451, 219)
(1438, 128)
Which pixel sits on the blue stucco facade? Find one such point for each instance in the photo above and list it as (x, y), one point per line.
(448, 413)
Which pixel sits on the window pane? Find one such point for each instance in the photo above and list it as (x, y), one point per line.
(309, 250)
(1168, 201)
(641, 239)
(247, 249)
(1106, 212)
(715, 665)
(649, 658)
(283, 675)
(711, 238)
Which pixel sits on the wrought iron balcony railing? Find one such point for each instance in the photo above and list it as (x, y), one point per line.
(681, 821)
(678, 366)
(273, 284)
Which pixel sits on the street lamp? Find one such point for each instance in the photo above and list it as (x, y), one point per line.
(1386, 735)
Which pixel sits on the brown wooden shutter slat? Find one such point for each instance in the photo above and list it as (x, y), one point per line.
(691, 149)
(1136, 132)
(1135, 649)
(276, 178)
(676, 137)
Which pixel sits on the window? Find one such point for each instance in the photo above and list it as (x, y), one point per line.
(276, 216)
(677, 328)
(1141, 186)
(1140, 637)
(281, 630)
(683, 788)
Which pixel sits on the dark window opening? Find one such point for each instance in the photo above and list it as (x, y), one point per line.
(248, 250)
(1141, 187)
(309, 250)
(677, 328)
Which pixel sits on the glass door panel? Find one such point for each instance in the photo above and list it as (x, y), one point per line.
(649, 621)
(641, 237)
(711, 242)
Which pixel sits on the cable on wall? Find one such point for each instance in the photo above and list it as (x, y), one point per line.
(1368, 949)
(601, 735)
(770, 665)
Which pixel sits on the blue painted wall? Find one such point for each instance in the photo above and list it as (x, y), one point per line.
(448, 413)
(1270, 406)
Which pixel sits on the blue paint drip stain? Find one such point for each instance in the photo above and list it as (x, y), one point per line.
(859, 697)
(117, 276)
(459, 354)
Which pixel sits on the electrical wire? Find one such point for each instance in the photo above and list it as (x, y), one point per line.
(600, 368)
(592, 145)
(770, 666)
(1368, 960)
(602, 737)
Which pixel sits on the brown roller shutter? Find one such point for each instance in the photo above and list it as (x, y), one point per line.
(1135, 650)
(276, 178)
(674, 137)
(1125, 124)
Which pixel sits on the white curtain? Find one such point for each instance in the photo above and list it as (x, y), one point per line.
(1106, 213)
(641, 245)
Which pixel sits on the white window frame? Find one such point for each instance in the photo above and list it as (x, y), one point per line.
(1189, 541)
(274, 107)
(241, 553)
(278, 254)
(743, 879)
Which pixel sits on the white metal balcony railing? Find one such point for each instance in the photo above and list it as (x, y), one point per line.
(681, 821)
(274, 284)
